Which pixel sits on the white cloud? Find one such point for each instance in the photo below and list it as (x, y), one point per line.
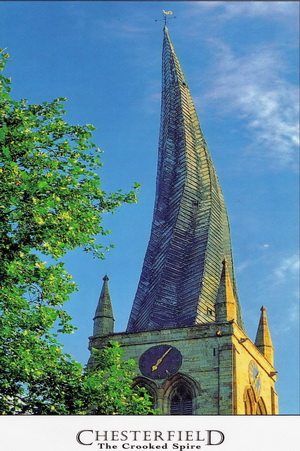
(243, 265)
(230, 10)
(120, 25)
(287, 268)
(255, 88)
(286, 290)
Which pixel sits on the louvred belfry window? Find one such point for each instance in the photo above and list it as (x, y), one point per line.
(181, 401)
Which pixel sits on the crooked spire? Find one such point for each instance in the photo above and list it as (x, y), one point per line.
(104, 318)
(263, 339)
(190, 234)
(226, 307)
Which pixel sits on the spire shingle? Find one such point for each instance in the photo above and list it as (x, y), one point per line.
(190, 232)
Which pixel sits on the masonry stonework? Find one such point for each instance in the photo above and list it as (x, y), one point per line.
(216, 360)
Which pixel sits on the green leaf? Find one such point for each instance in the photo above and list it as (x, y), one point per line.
(51, 203)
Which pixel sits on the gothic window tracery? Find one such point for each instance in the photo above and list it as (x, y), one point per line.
(261, 407)
(254, 406)
(180, 395)
(250, 401)
(181, 401)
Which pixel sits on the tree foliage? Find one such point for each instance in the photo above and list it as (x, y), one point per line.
(58, 385)
(51, 202)
(114, 377)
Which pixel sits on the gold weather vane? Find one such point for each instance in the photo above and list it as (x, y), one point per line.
(166, 17)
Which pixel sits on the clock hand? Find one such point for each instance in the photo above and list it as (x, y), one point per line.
(154, 367)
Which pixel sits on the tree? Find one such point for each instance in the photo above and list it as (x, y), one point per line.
(108, 385)
(51, 202)
(62, 387)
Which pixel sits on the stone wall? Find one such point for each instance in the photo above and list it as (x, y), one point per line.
(215, 364)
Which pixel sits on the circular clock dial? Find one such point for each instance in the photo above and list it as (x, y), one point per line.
(160, 362)
(254, 377)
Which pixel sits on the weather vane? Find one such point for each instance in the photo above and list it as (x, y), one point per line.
(166, 17)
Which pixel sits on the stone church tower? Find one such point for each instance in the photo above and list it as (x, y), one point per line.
(185, 329)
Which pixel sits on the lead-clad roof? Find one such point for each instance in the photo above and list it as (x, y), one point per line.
(190, 234)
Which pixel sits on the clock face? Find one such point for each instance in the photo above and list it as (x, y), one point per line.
(254, 377)
(160, 362)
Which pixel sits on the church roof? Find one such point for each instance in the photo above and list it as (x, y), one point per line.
(190, 234)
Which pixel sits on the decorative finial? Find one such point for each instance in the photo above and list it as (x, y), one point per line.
(105, 278)
(166, 17)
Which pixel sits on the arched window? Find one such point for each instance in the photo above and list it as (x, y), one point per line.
(261, 407)
(149, 387)
(181, 395)
(249, 401)
(181, 401)
(252, 405)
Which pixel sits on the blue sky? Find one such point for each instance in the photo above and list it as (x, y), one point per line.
(240, 60)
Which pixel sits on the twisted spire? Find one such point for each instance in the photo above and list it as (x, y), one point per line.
(190, 232)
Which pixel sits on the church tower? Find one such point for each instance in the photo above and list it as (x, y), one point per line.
(185, 329)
